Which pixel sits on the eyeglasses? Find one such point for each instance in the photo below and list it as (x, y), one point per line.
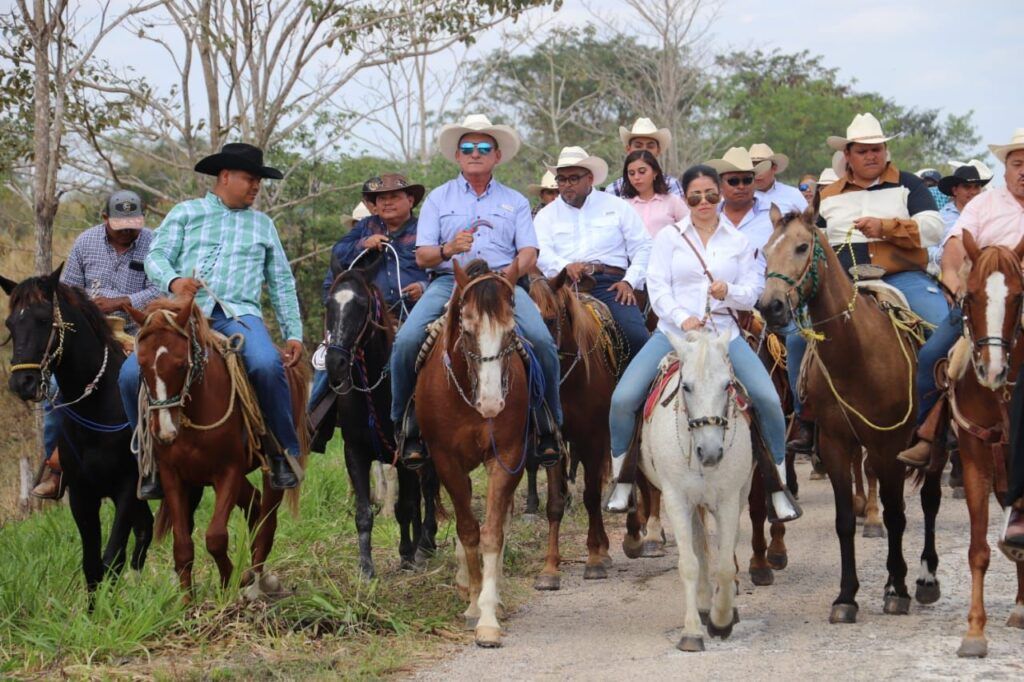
(570, 179)
(804, 186)
(484, 148)
(711, 196)
(745, 180)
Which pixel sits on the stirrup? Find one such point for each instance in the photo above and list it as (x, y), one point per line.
(1013, 551)
(408, 437)
(773, 515)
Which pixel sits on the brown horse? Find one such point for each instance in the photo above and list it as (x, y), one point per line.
(588, 379)
(861, 384)
(207, 439)
(978, 400)
(473, 400)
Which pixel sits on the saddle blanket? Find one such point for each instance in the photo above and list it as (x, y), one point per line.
(667, 371)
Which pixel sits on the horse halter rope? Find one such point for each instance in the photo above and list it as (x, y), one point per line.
(197, 359)
(810, 271)
(374, 317)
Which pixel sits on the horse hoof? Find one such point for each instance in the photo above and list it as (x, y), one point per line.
(471, 622)
(408, 565)
(248, 575)
(1016, 619)
(690, 644)
(705, 616)
(488, 637)
(927, 593)
(817, 475)
(598, 572)
(546, 582)
(973, 647)
(720, 632)
(762, 577)
(270, 584)
(632, 550)
(778, 560)
(422, 556)
(843, 613)
(606, 561)
(367, 573)
(874, 531)
(896, 606)
(652, 549)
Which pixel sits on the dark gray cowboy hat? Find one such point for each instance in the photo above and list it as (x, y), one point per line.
(238, 156)
(392, 182)
(963, 174)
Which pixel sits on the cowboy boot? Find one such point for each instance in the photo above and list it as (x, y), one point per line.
(803, 436)
(1011, 540)
(413, 452)
(618, 499)
(549, 450)
(919, 455)
(782, 506)
(283, 474)
(49, 487)
(149, 486)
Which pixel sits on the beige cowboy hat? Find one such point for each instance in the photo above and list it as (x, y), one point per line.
(546, 182)
(737, 160)
(577, 156)
(1001, 151)
(506, 137)
(827, 177)
(358, 213)
(865, 129)
(761, 152)
(644, 127)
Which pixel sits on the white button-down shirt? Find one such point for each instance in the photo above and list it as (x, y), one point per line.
(786, 197)
(605, 230)
(677, 284)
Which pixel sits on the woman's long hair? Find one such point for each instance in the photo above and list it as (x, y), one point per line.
(660, 184)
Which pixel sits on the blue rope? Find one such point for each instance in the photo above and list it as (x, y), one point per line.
(95, 426)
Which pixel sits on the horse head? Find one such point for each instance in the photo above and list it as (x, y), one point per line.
(32, 328)
(353, 305)
(793, 254)
(484, 304)
(992, 308)
(705, 378)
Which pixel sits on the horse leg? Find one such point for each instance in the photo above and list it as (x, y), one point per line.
(760, 570)
(176, 497)
(430, 491)
(500, 488)
(699, 538)
(117, 542)
(928, 591)
(406, 512)
(860, 500)
(389, 477)
(467, 545)
(791, 481)
(142, 529)
(977, 472)
(837, 459)
(532, 497)
(550, 578)
(265, 583)
(598, 560)
(891, 475)
(723, 609)
(1016, 619)
(86, 511)
(226, 492)
(873, 527)
(377, 484)
(358, 465)
(654, 534)
(679, 513)
(956, 474)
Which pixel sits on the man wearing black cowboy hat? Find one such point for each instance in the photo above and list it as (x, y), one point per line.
(963, 185)
(221, 251)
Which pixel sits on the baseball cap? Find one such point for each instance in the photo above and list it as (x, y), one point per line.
(124, 210)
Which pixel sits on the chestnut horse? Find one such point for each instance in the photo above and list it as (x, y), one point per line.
(588, 379)
(473, 402)
(202, 437)
(978, 400)
(861, 384)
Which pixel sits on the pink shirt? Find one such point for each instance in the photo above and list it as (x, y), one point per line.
(992, 217)
(660, 210)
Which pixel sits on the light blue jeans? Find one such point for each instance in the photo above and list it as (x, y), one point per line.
(633, 387)
(430, 307)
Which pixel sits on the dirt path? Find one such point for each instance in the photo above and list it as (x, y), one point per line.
(627, 626)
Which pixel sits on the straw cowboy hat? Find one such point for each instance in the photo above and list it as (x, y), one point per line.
(644, 127)
(546, 182)
(865, 129)
(577, 156)
(961, 176)
(737, 160)
(827, 177)
(760, 152)
(506, 137)
(1001, 151)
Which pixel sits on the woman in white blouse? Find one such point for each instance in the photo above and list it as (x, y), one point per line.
(685, 299)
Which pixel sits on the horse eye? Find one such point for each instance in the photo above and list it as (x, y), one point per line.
(687, 388)
(802, 248)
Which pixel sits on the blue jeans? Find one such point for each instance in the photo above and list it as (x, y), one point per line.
(319, 387)
(628, 317)
(635, 384)
(935, 348)
(263, 365)
(430, 307)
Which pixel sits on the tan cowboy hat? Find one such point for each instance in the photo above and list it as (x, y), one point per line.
(546, 182)
(577, 156)
(1001, 151)
(827, 177)
(358, 213)
(737, 160)
(644, 127)
(506, 137)
(865, 129)
(760, 152)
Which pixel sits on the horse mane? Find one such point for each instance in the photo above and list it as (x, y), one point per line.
(35, 290)
(487, 295)
(995, 258)
(586, 329)
(204, 334)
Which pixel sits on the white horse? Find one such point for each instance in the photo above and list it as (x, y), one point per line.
(697, 451)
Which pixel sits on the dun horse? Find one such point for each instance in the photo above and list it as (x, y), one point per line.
(58, 331)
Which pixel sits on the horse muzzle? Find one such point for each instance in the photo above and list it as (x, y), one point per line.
(775, 312)
(27, 385)
(166, 425)
(489, 408)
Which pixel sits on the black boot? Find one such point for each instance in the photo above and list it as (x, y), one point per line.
(549, 449)
(149, 486)
(803, 437)
(282, 476)
(413, 452)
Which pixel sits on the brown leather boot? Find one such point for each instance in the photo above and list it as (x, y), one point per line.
(49, 487)
(917, 455)
(803, 437)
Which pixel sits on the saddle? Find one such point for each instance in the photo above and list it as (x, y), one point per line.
(613, 340)
(668, 370)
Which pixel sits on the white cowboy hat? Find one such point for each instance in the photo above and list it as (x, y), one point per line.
(506, 137)
(644, 127)
(827, 177)
(1001, 151)
(865, 129)
(737, 160)
(983, 171)
(577, 156)
(360, 211)
(546, 182)
(759, 152)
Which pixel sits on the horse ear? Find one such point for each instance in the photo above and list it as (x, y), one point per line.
(185, 312)
(55, 275)
(775, 215)
(559, 280)
(1018, 250)
(137, 315)
(7, 285)
(971, 246)
(461, 279)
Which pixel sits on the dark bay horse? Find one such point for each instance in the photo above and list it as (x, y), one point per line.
(861, 384)
(588, 379)
(360, 332)
(978, 402)
(204, 435)
(57, 330)
(473, 401)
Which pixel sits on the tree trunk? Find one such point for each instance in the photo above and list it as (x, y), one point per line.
(43, 213)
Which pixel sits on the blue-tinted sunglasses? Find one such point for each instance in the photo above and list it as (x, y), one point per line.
(484, 148)
(804, 186)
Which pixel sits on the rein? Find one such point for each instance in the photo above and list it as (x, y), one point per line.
(374, 318)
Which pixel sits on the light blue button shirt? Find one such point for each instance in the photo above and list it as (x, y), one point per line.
(756, 226)
(949, 214)
(499, 220)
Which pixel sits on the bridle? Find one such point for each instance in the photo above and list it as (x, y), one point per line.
(810, 271)
(355, 355)
(197, 359)
(978, 345)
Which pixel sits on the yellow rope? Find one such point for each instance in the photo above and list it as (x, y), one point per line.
(777, 350)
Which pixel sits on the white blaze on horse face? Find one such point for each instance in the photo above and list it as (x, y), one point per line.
(993, 370)
(165, 425)
(342, 298)
(489, 401)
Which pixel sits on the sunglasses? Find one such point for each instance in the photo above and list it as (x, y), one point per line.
(804, 186)
(484, 148)
(711, 196)
(570, 179)
(736, 182)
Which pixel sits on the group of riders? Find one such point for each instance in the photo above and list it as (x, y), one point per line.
(691, 248)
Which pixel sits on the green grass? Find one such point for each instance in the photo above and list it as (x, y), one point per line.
(334, 623)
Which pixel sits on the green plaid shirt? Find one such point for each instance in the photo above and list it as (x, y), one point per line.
(234, 251)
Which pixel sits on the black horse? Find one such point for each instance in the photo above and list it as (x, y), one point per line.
(57, 330)
(360, 331)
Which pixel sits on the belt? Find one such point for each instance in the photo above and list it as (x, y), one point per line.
(602, 269)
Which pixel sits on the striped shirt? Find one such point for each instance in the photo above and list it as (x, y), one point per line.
(234, 251)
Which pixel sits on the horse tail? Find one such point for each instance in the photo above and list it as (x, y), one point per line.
(162, 525)
(298, 380)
